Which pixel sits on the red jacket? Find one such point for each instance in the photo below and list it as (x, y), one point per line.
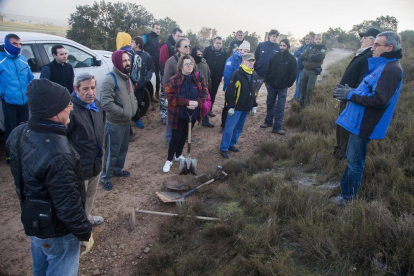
(175, 100)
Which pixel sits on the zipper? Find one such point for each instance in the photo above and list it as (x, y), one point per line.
(18, 77)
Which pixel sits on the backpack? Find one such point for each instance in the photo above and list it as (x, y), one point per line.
(136, 68)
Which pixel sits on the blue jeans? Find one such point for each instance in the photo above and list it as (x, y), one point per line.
(168, 132)
(55, 256)
(233, 129)
(14, 115)
(355, 162)
(298, 91)
(275, 109)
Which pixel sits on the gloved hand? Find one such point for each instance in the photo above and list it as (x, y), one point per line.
(254, 110)
(341, 92)
(231, 112)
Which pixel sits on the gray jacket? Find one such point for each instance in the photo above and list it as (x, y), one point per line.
(203, 69)
(170, 68)
(119, 106)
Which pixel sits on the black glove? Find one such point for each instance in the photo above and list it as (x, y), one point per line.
(341, 92)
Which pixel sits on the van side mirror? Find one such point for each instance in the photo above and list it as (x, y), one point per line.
(97, 61)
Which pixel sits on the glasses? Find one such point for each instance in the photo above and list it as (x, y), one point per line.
(70, 105)
(187, 46)
(188, 64)
(376, 44)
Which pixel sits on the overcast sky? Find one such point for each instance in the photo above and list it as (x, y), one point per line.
(297, 16)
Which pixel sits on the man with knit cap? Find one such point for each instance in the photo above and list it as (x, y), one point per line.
(232, 64)
(280, 75)
(15, 75)
(119, 102)
(51, 189)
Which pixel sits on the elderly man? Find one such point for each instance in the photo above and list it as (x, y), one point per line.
(354, 73)
(15, 75)
(370, 109)
(119, 102)
(85, 133)
(48, 178)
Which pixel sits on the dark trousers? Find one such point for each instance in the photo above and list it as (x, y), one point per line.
(213, 92)
(178, 137)
(276, 100)
(342, 137)
(307, 85)
(139, 94)
(158, 82)
(14, 115)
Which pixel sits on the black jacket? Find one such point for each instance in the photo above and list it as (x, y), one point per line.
(216, 61)
(152, 47)
(357, 69)
(282, 70)
(85, 133)
(52, 173)
(233, 45)
(241, 91)
(59, 73)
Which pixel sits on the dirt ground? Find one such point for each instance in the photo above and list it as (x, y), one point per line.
(118, 250)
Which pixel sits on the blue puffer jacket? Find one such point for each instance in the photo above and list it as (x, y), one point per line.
(232, 64)
(263, 54)
(15, 75)
(297, 54)
(372, 104)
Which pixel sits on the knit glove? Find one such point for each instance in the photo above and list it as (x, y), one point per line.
(231, 112)
(341, 92)
(254, 110)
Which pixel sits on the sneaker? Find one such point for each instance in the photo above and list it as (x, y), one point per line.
(211, 114)
(225, 154)
(122, 174)
(208, 124)
(264, 125)
(279, 131)
(179, 158)
(139, 124)
(234, 149)
(107, 186)
(96, 220)
(167, 166)
(340, 201)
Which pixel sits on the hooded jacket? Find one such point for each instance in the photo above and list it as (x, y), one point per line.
(313, 56)
(119, 103)
(232, 64)
(147, 67)
(372, 104)
(15, 75)
(241, 91)
(216, 61)
(264, 52)
(282, 70)
(122, 40)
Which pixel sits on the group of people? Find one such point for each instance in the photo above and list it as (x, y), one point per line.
(73, 141)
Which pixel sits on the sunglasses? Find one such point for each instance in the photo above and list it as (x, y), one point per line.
(187, 46)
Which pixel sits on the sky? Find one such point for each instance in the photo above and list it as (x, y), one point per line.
(297, 17)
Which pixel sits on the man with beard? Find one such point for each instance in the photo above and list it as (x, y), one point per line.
(281, 75)
(119, 102)
(152, 47)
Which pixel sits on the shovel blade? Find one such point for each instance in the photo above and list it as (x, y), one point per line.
(187, 166)
(168, 197)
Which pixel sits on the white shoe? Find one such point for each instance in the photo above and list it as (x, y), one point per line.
(167, 166)
(179, 158)
(96, 220)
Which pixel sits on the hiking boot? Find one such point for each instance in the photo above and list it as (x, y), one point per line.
(279, 131)
(167, 166)
(208, 124)
(96, 220)
(225, 154)
(234, 149)
(211, 114)
(340, 201)
(264, 125)
(122, 174)
(107, 186)
(139, 124)
(179, 158)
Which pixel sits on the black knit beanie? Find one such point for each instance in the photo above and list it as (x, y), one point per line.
(46, 99)
(286, 41)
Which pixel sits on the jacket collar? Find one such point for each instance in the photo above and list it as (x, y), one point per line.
(46, 126)
(391, 55)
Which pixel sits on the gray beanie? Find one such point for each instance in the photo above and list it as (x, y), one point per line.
(46, 99)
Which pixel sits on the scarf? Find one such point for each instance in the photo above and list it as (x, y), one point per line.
(246, 69)
(91, 106)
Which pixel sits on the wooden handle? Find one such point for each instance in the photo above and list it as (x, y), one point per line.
(173, 215)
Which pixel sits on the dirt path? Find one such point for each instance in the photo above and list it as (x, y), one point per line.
(117, 250)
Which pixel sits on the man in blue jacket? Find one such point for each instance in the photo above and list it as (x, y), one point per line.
(298, 54)
(264, 52)
(15, 75)
(370, 109)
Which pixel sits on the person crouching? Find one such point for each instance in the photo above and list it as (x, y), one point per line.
(240, 99)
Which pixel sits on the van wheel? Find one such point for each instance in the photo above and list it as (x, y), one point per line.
(146, 101)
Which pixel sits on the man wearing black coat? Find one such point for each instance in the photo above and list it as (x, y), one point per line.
(47, 173)
(59, 71)
(281, 74)
(152, 47)
(236, 43)
(216, 59)
(353, 76)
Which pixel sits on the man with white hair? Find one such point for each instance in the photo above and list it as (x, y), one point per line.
(370, 109)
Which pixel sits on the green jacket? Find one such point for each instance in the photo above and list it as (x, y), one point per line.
(313, 56)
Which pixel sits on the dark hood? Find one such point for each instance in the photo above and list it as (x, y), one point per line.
(396, 54)
(117, 60)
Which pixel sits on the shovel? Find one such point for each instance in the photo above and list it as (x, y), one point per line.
(188, 165)
(168, 197)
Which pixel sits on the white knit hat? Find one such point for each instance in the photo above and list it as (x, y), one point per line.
(244, 46)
